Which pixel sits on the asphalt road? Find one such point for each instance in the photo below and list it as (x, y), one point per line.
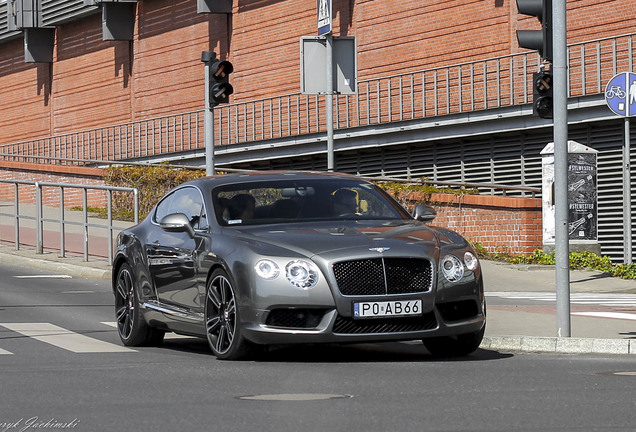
(61, 364)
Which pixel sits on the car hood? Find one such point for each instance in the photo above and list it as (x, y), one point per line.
(332, 240)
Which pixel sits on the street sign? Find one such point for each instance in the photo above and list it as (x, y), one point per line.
(313, 62)
(324, 17)
(620, 94)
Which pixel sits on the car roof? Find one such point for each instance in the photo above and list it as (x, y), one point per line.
(248, 176)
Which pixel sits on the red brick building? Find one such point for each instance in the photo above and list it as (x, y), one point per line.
(93, 83)
(479, 134)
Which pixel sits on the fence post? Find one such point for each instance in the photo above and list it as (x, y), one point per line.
(39, 247)
(16, 215)
(109, 193)
(62, 226)
(85, 215)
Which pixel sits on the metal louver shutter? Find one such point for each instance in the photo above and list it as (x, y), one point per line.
(448, 161)
(5, 33)
(608, 140)
(59, 11)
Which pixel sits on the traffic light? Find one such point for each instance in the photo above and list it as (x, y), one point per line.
(220, 88)
(542, 94)
(540, 40)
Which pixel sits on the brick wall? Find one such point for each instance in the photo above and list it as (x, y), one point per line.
(501, 224)
(93, 83)
(52, 174)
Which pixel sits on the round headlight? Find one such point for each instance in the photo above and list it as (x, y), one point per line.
(471, 261)
(302, 274)
(452, 268)
(267, 269)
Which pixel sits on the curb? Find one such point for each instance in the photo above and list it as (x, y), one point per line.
(560, 345)
(80, 270)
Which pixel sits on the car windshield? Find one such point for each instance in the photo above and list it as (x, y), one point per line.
(287, 201)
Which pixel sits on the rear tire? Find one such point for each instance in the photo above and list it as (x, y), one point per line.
(131, 326)
(454, 346)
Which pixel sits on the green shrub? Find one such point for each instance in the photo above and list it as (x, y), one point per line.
(625, 271)
(152, 183)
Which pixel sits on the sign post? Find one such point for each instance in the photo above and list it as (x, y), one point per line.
(620, 96)
(324, 29)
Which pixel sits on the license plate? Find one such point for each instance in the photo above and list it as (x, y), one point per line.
(387, 309)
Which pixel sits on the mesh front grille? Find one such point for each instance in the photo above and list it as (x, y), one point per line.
(382, 276)
(295, 318)
(384, 325)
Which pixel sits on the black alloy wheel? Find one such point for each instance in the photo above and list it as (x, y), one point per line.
(222, 319)
(132, 329)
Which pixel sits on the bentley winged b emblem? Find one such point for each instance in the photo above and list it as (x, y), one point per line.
(379, 249)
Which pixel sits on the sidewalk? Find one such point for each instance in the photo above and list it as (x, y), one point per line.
(534, 328)
(509, 327)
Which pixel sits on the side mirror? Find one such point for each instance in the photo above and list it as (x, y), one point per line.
(424, 213)
(177, 222)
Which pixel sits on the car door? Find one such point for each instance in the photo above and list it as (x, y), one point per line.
(172, 256)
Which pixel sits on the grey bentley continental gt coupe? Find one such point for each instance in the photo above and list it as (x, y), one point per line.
(270, 258)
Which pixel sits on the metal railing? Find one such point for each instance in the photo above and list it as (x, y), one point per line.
(39, 216)
(478, 85)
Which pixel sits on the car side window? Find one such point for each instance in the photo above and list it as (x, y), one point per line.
(188, 201)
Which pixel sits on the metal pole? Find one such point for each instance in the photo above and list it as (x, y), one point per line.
(39, 248)
(329, 103)
(627, 195)
(16, 215)
(62, 225)
(562, 249)
(208, 118)
(85, 211)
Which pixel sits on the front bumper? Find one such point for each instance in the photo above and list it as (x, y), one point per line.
(307, 325)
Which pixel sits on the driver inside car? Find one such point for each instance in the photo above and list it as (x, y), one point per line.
(345, 201)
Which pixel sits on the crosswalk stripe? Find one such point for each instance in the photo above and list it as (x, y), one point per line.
(63, 338)
(594, 299)
(617, 315)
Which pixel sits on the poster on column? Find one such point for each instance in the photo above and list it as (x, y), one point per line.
(582, 196)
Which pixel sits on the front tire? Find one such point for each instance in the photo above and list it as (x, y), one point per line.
(454, 346)
(222, 323)
(131, 326)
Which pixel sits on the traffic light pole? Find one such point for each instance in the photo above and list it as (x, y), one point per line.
(562, 248)
(208, 118)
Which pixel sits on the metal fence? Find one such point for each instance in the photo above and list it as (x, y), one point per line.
(80, 221)
(472, 86)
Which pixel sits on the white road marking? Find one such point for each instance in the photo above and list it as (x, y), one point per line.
(63, 338)
(616, 315)
(78, 292)
(44, 277)
(589, 299)
(2, 351)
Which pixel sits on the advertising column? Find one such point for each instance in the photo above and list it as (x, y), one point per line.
(582, 198)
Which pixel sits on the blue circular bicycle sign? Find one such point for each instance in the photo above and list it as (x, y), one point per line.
(620, 94)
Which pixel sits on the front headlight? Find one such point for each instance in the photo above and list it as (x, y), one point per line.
(267, 269)
(452, 268)
(302, 274)
(471, 261)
